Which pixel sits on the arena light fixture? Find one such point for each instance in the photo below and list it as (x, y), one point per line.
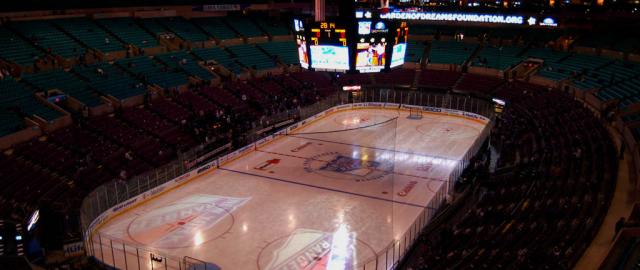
(33, 220)
(499, 101)
(351, 88)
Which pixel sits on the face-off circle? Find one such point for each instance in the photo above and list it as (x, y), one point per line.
(174, 226)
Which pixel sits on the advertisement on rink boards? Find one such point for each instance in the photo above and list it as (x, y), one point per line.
(74, 249)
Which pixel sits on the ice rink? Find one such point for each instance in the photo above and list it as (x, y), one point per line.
(333, 195)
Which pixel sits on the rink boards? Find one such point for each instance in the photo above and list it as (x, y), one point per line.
(131, 203)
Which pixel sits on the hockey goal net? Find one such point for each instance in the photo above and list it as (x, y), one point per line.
(415, 113)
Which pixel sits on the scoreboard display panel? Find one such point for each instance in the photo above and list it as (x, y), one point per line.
(329, 47)
(301, 42)
(366, 44)
(399, 45)
(371, 47)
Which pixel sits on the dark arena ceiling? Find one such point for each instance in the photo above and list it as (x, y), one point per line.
(589, 6)
(14, 5)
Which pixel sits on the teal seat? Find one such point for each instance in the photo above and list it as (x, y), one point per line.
(215, 27)
(127, 30)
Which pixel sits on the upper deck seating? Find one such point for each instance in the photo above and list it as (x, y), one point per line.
(128, 31)
(65, 82)
(45, 35)
(89, 33)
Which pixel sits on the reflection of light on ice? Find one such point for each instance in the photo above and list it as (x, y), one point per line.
(341, 249)
(245, 227)
(198, 238)
(292, 221)
(352, 121)
(417, 159)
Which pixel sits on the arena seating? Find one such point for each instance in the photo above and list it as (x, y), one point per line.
(499, 58)
(171, 110)
(110, 81)
(16, 97)
(150, 149)
(543, 209)
(65, 82)
(10, 122)
(183, 29)
(24, 185)
(551, 69)
(270, 87)
(245, 27)
(317, 81)
(128, 31)
(415, 52)
(450, 52)
(569, 66)
(229, 101)
(144, 68)
(245, 91)
(400, 77)
(477, 83)
(181, 60)
(220, 56)
(215, 27)
(611, 74)
(251, 57)
(90, 34)
(195, 102)
(440, 79)
(46, 36)
(285, 51)
(153, 26)
(627, 92)
(17, 50)
(166, 131)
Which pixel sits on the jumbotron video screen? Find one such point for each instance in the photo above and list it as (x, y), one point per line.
(363, 45)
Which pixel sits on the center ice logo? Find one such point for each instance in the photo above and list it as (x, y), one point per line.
(337, 165)
(353, 166)
(176, 225)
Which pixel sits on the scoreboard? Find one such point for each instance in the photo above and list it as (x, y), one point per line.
(301, 42)
(358, 45)
(329, 47)
(399, 49)
(371, 46)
